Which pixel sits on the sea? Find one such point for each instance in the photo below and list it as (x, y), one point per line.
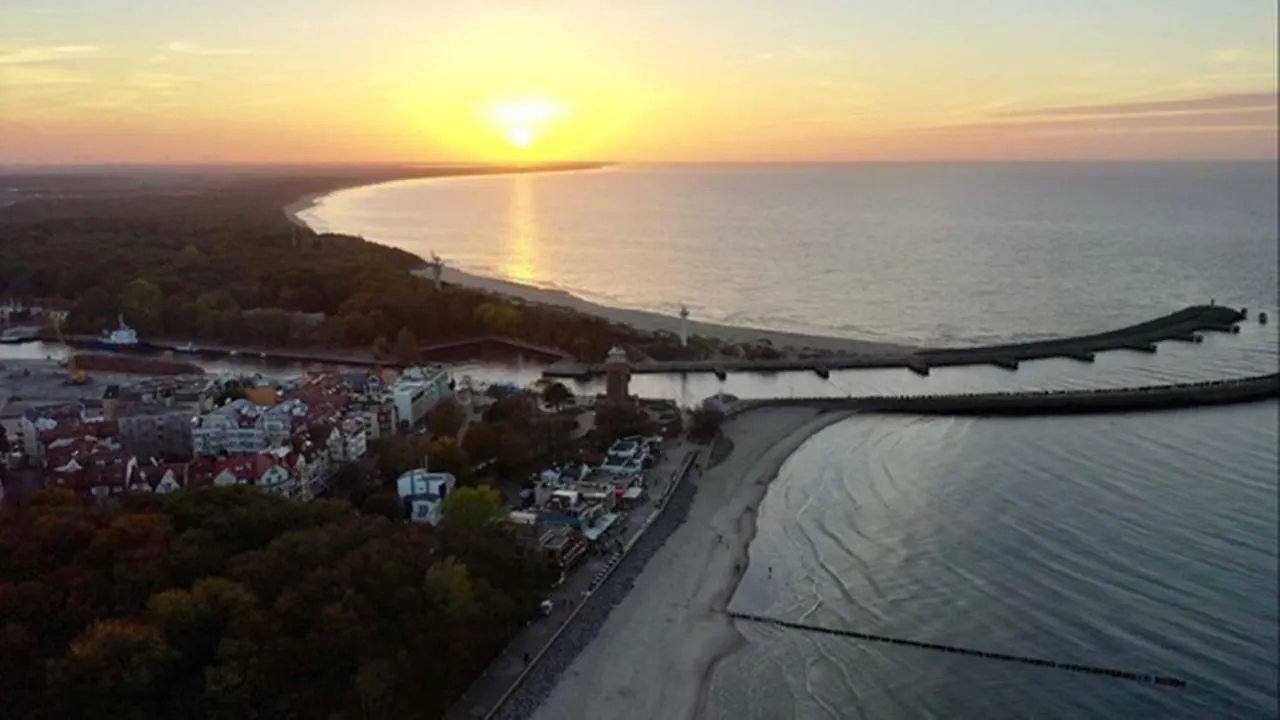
(1145, 542)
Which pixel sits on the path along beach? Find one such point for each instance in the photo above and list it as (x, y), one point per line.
(655, 655)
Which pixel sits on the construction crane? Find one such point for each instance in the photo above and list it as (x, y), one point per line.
(75, 376)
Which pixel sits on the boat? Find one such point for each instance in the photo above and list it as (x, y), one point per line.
(186, 347)
(122, 339)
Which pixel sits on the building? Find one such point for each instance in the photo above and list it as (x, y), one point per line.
(617, 370)
(417, 390)
(424, 493)
(39, 427)
(242, 426)
(155, 430)
(348, 441)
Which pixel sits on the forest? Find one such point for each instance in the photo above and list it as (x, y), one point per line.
(228, 603)
(212, 257)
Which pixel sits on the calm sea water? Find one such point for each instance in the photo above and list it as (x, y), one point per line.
(944, 253)
(1141, 542)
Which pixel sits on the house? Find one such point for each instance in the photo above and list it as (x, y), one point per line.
(424, 492)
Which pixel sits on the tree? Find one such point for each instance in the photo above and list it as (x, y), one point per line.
(472, 507)
(446, 455)
(405, 351)
(446, 418)
(384, 504)
(140, 304)
(704, 424)
(483, 441)
(556, 394)
(114, 669)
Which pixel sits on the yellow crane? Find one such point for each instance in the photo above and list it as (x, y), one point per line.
(75, 376)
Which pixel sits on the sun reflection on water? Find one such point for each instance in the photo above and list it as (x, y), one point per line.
(522, 236)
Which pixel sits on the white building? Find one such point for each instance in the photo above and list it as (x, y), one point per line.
(425, 493)
(242, 426)
(417, 390)
(348, 442)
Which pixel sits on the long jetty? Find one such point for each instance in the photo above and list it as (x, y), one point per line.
(1048, 402)
(1147, 678)
(1184, 325)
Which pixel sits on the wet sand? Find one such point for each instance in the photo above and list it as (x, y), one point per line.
(656, 654)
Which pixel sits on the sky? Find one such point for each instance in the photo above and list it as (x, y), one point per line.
(298, 81)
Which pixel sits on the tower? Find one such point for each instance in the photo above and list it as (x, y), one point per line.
(437, 268)
(684, 326)
(617, 371)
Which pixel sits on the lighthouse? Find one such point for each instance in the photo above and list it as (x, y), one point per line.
(684, 326)
(437, 268)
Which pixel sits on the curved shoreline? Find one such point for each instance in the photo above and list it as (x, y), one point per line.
(656, 652)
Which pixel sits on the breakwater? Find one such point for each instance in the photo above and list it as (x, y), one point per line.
(1147, 678)
(1049, 402)
(1183, 325)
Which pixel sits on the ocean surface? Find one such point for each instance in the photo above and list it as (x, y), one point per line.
(1138, 542)
(922, 253)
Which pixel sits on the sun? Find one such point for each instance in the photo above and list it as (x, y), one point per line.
(525, 121)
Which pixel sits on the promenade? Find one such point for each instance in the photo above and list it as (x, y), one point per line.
(1183, 325)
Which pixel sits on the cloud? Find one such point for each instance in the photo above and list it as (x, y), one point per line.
(1237, 101)
(1254, 118)
(157, 80)
(1238, 56)
(45, 54)
(187, 48)
(14, 76)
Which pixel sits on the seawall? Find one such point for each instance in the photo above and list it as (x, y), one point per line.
(1058, 402)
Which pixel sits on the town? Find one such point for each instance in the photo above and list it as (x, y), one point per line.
(568, 469)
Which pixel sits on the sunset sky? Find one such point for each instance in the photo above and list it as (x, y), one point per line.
(640, 80)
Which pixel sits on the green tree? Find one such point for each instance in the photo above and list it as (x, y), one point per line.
(472, 507)
(704, 424)
(446, 455)
(140, 304)
(483, 441)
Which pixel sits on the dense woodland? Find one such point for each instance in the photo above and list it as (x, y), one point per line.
(213, 258)
(228, 603)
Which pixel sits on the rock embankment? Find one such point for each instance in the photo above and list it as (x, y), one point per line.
(119, 363)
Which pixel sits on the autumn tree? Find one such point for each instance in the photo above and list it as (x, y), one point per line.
(556, 394)
(446, 418)
(704, 424)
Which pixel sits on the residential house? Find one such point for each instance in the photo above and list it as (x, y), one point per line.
(424, 493)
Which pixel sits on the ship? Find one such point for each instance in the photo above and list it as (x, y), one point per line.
(122, 339)
(187, 347)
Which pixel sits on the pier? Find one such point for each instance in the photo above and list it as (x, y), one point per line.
(1183, 325)
(1147, 678)
(1052, 402)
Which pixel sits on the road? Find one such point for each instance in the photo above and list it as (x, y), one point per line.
(506, 669)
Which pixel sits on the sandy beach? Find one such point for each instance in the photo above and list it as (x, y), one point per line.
(656, 654)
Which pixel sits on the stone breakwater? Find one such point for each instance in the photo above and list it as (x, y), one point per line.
(584, 627)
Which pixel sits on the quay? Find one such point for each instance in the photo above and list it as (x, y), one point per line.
(1052, 402)
(1183, 325)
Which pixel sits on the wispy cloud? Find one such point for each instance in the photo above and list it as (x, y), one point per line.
(157, 80)
(1240, 119)
(801, 53)
(1236, 101)
(189, 48)
(45, 54)
(1238, 56)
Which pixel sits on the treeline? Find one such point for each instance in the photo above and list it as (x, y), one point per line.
(213, 258)
(228, 603)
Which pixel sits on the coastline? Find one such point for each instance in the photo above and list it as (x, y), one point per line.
(643, 320)
(671, 631)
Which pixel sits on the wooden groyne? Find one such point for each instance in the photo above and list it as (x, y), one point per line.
(1054, 402)
(1147, 678)
(1183, 325)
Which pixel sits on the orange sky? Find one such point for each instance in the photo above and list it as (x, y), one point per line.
(720, 80)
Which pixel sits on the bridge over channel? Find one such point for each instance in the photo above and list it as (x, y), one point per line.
(1052, 402)
(1183, 326)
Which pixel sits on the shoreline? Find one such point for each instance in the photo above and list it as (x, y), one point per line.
(644, 320)
(658, 651)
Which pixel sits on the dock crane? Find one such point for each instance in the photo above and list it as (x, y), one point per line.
(75, 376)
